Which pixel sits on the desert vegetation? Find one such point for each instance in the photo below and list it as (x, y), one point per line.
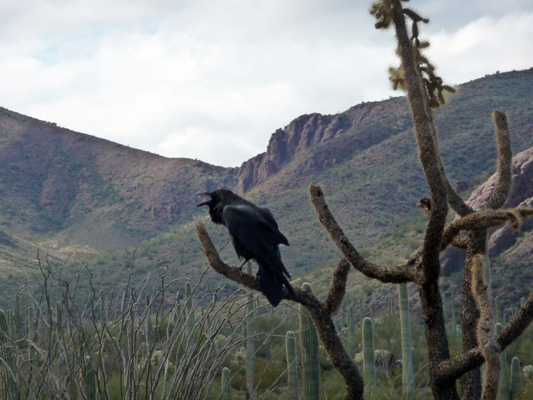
(482, 343)
(125, 333)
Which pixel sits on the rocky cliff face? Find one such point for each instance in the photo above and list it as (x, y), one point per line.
(521, 195)
(308, 132)
(303, 132)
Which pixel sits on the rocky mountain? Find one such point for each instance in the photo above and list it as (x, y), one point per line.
(76, 195)
(504, 241)
(83, 190)
(307, 133)
(521, 196)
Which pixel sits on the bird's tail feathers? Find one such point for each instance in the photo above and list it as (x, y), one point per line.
(272, 284)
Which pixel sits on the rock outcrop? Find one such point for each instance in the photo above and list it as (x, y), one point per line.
(302, 133)
(303, 141)
(521, 195)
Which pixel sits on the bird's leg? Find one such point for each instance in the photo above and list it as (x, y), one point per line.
(222, 248)
(242, 265)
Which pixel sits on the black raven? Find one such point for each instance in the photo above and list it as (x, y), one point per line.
(255, 236)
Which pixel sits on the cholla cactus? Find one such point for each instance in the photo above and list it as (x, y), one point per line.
(90, 376)
(504, 391)
(351, 332)
(310, 363)
(405, 323)
(226, 386)
(249, 339)
(292, 365)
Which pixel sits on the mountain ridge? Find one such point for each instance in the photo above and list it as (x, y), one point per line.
(79, 196)
(73, 177)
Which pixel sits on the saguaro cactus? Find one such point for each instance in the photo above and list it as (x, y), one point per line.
(310, 363)
(292, 365)
(90, 377)
(408, 376)
(226, 386)
(369, 366)
(515, 376)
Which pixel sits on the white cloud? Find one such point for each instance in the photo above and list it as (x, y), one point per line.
(157, 75)
(484, 46)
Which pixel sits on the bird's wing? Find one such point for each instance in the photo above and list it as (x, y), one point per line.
(256, 236)
(269, 218)
(250, 227)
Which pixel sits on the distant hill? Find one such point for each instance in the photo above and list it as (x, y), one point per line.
(82, 198)
(82, 190)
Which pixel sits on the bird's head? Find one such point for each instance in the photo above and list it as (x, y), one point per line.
(210, 203)
(216, 203)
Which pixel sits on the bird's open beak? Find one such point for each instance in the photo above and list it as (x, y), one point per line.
(205, 203)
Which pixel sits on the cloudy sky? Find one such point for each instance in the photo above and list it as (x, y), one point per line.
(213, 79)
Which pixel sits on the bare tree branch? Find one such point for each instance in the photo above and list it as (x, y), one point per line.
(505, 155)
(458, 365)
(338, 288)
(481, 220)
(456, 202)
(396, 274)
(487, 344)
(460, 241)
(232, 273)
(426, 138)
(320, 312)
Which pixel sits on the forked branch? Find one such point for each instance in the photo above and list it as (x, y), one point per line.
(458, 365)
(505, 155)
(320, 312)
(483, 220)
(485, 332)
(398, 274)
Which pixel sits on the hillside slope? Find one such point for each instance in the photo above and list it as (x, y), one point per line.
(76, 195)
(82, 190)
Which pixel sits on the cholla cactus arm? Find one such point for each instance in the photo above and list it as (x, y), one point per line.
(505, 155)
(309, 357)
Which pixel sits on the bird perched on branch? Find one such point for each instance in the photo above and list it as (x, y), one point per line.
(425, 204)
(255, 236)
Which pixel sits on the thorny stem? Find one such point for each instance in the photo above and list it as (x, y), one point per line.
(485, 335)
(458, 365)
